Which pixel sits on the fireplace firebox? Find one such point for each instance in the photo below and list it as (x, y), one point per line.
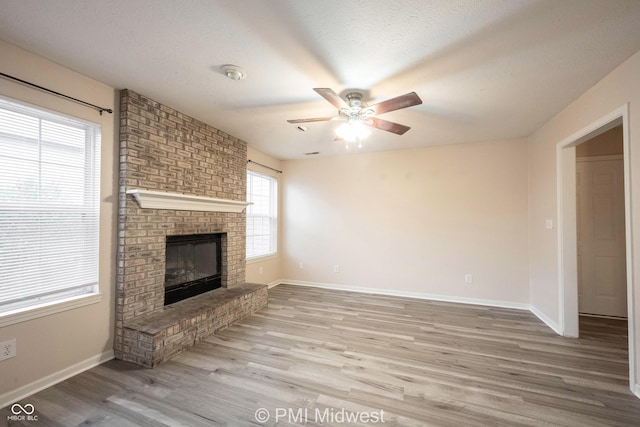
(193, 266)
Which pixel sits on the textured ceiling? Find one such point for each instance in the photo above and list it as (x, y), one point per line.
(485, 69)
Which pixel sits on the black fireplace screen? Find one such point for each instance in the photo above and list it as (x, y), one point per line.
(193, 266)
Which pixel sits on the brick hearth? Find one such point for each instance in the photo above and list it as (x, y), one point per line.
(157, 337)
(162, 149)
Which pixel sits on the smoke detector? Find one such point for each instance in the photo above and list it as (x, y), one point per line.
(233, 72)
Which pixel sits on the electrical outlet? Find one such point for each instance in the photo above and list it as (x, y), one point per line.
(301, 265)
(336, 268)
(260, 270)
(468, 278)
(8, 349)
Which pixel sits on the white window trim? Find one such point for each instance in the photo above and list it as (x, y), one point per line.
(53, 307)
(261, 258)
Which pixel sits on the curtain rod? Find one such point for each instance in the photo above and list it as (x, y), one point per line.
(79, 101)
(264, 166)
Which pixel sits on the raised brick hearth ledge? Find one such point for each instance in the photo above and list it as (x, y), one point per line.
(155, 338)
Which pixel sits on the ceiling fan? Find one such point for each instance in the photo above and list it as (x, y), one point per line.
(356, 114)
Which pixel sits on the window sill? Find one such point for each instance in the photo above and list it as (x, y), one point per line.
(25, 314)
(262, 258)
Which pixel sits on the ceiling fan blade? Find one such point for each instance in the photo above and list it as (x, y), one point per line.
(388, 126)
(403, 101)
(331, 96)
(315, 119)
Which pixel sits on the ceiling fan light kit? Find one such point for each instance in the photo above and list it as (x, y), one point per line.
(353, 130)
(358, 115)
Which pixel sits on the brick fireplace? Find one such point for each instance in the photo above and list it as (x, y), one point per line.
(163, 150)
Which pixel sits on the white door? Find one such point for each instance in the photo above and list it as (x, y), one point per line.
(602, 287)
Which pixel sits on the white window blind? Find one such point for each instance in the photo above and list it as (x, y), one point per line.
(49, 207)
(262, 215)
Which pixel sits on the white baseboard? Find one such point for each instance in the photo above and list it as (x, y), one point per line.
(36, 386)
(636, 390)
(546, 320)
(407, 294)
(274, 283)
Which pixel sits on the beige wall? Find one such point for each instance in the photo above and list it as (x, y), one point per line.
(412, 220)
(266, 270)
(619, 87)
(55, 345)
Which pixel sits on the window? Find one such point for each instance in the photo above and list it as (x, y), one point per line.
(49, 207)
(262, 216)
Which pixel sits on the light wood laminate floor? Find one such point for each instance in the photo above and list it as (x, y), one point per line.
(318, 357)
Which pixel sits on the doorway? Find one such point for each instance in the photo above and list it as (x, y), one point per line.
(567, 226)
(601, 263)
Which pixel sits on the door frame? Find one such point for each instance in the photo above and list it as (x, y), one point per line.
(567, 226)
